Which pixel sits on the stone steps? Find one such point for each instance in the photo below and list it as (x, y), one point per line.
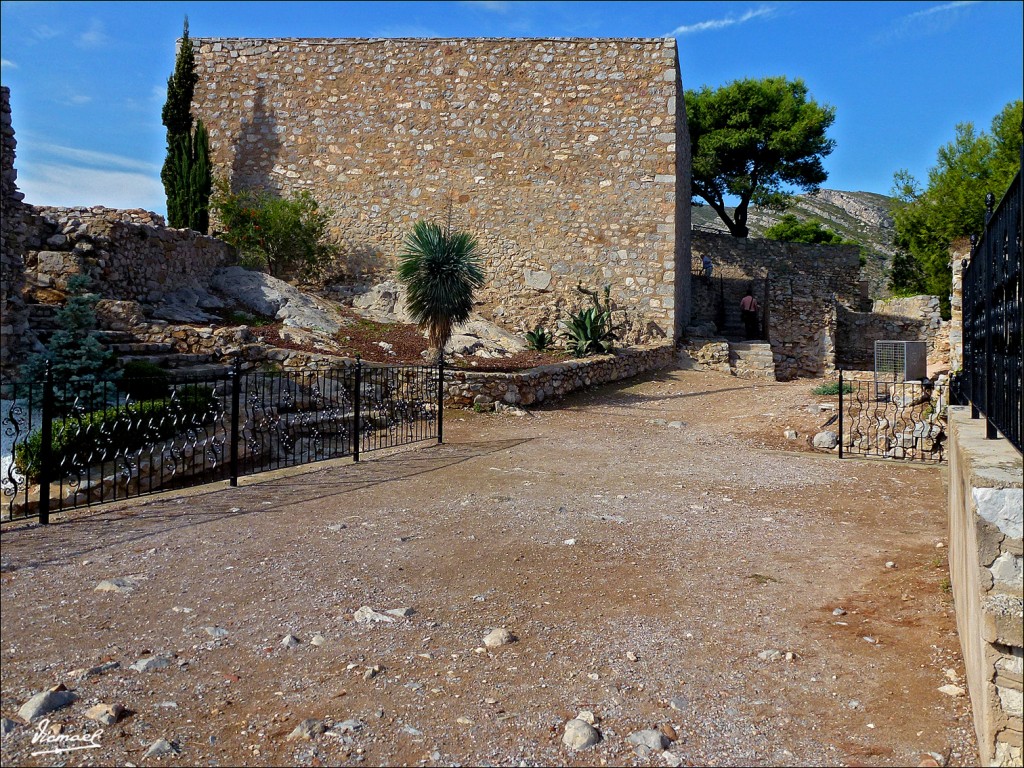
(752, 359)
(140, 348)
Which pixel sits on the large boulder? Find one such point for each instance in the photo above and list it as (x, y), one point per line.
(268, 296)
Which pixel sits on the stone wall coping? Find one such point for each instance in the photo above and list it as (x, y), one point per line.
(255, 41)
(994, 464)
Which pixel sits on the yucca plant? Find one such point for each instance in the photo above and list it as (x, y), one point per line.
(539, 338)
(441, 269)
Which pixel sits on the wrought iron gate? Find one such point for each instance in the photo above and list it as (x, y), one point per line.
(891, 419)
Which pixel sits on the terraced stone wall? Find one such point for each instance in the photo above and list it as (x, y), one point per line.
(567, 158)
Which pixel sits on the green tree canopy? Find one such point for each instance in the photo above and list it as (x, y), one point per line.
(441, 269)
(186, 175)
(952, 205)
(790, 229)
(754, 140)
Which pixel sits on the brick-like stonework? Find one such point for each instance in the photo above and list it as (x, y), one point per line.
(567, 158)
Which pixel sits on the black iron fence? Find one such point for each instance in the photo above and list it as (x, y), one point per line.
(892, 419)
(993, 331)
(68, 446)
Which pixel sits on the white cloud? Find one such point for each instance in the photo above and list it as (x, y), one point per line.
(938, 18)
(88, 157)
(76, 99)
(45, 32)
(8, 64)
(764, 11)
(495, 6)
(942, 8)
(70, 185)
(93, 37)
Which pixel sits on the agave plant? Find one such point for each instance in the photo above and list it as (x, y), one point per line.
(441, 269)
(539, 338)
(589, 332)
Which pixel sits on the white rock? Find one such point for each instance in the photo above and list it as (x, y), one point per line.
(498, 637)
(650, 739)
(587, 717)
(306, 730)
(771, 655)
(105, 714)
(366, 614)
(119, 584)
(216, 632)
(952, 690)
(318, 640)
(580, 735)
(827, 439)
(150, 664)
(290, 641)
(45, 702)
(161, 747)
(400, 612)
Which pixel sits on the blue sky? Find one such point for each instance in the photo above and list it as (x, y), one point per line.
(88, 79)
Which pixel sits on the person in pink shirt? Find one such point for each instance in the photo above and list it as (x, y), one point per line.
(748, 311)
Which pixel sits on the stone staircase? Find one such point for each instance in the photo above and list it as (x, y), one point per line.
(752, 360)
(181, 366)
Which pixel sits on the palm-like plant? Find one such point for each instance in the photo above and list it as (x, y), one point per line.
(440, 269)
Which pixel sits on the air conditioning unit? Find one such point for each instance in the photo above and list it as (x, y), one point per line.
(898, 361)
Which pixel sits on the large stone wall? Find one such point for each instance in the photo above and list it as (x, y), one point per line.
(985, 564)
(798, 285)
(14, 330)
(567, 158)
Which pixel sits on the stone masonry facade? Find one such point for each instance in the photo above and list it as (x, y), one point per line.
(567, 158)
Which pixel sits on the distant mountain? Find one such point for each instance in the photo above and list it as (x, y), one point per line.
(860, 216)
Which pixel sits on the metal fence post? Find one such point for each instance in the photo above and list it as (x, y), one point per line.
(357, 405)
(236, 398)
(440, 398)
(840, 413)
(46, 453)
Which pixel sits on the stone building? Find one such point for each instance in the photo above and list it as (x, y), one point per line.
(568, 158)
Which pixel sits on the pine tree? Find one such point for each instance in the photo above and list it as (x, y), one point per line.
(187, 175)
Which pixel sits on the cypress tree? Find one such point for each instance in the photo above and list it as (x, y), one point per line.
(186, 174)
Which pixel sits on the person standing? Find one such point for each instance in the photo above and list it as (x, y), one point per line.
(705, 262)
(748, 311)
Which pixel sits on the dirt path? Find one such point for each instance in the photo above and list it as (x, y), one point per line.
(644, 543)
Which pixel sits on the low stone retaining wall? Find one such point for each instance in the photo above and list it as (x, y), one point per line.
(985, 564)
(468, 388)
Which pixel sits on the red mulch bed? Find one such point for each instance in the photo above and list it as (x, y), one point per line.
(361, 337)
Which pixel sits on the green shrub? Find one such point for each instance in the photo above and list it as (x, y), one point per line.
(273, 233)
(89, 438)
(832, 388)
(539, 338)
(79, 363)
(143, 380)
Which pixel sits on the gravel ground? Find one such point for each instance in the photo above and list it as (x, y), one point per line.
(645, 544)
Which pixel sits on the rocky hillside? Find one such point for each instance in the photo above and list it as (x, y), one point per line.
(860, 216)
